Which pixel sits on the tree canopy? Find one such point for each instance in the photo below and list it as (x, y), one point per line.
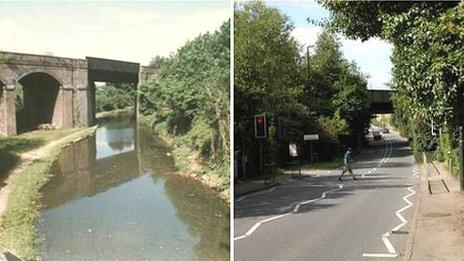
(272, 75)
(428, 59)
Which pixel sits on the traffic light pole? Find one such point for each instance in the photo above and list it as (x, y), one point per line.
(311, 151)
(261, 157)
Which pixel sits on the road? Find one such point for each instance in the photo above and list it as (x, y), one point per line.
(320, 218)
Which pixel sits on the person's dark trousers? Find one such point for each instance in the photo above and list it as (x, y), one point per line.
(346, 169)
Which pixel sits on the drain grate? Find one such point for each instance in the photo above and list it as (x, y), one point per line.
(437, 187)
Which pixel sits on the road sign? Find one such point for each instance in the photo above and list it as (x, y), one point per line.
(260, 126)
(311, 137)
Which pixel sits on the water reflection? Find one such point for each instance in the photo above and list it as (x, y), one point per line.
(114, 138)
(115, 202)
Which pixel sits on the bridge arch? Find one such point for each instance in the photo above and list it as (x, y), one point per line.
(37, 100)
(25, 73)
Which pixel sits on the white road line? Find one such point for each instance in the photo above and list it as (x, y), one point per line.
(240, 237)
(389, 245)
(297, 206)
(380, 162)
(391, 250)
(253, 228)
(254, 194)
(398, 212)
(324, 194)
(274, 188)
(386, 241)
(295, 210)
(380, 255)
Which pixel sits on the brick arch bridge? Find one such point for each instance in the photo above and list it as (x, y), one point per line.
(59, 90)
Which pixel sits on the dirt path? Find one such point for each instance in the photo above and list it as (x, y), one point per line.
(28, 157)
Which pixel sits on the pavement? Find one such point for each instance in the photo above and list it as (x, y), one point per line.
(438, 231)
(320, 218)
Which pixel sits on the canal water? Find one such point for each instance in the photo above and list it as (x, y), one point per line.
(114, 197)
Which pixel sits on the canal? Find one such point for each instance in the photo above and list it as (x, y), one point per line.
(114, 196)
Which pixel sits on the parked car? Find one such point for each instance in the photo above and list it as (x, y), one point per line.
(385, 130)
(376, 135)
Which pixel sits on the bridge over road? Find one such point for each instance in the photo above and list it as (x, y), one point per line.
(380, 101)
(57, 90)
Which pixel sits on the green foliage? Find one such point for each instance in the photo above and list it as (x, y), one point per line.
(428, 61)
(266, 74)
(326, 96)
(114, 96)
(447, 151)
(189, 98)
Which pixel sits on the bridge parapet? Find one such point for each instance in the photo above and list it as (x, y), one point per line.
(380, 101)
(11, 58)
(147, 73)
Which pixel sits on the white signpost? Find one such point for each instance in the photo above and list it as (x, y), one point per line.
(308, 137)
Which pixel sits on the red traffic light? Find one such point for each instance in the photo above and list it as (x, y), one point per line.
(260, 126)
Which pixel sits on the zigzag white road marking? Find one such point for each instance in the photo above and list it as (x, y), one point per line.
(391, 250)
(295, 210)
(398, 212)
(324, 194)
(274, 188)
(388, 149)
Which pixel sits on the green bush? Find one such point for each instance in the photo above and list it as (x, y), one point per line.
(114, 96)
(188, 102)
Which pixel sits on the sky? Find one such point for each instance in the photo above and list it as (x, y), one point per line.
(372, 56)
(128, 31)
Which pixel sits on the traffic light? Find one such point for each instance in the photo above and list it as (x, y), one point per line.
(260, 127)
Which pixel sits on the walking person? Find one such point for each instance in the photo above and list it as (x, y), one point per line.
(347, 164)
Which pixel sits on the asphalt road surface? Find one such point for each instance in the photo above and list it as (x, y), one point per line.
(320, 218)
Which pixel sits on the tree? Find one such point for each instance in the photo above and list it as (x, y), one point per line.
(114, 96)
(337, 92)
(266, 75)
(189, 98)
(271, 77)
(428, 59)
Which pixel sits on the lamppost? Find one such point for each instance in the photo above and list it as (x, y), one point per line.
(307, 70)
(308, 88)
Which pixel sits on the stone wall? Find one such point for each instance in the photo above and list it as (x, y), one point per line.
(71, 107)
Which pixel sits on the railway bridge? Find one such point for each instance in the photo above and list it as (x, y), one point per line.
(57, 90)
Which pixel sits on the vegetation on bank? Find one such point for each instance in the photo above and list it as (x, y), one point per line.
(125, 113)
(17, 224)
(301, 93)
(12, 147)
(428, 65)
(188, 104)
(114, 96)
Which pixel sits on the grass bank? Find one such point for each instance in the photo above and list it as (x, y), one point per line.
(331, 164)
(17, 224)
(125, 113)
(12, 147)
(190, 163)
